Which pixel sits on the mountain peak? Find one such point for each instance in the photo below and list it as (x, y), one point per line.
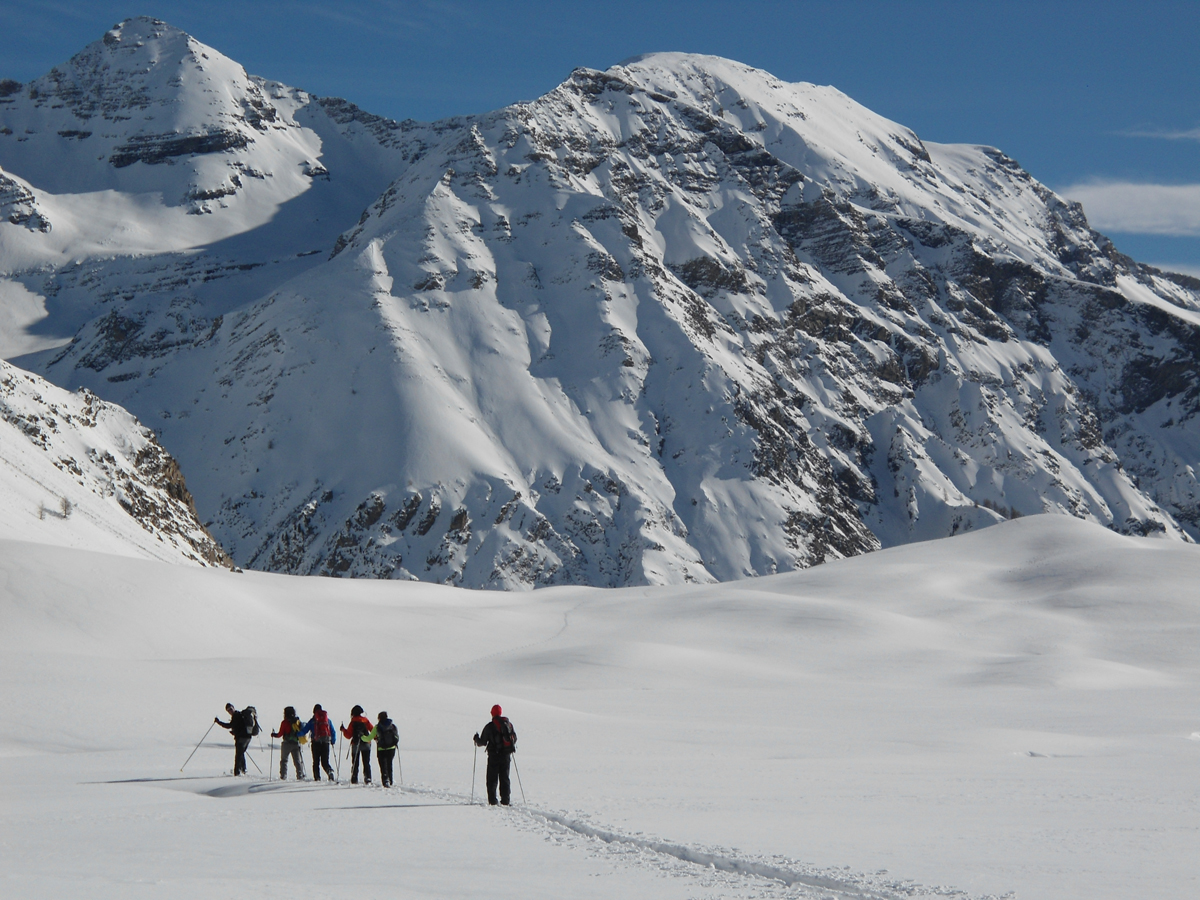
(676, 320)
(136, 31)
(147, 93)
(141, 69)
(709, 77)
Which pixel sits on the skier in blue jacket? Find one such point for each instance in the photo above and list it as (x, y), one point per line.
(323, 737)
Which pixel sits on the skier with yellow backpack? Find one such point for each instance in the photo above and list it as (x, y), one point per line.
(290, 741)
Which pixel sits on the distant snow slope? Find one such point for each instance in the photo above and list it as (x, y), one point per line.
(1008, 711)
(78, 472)
(676, 321)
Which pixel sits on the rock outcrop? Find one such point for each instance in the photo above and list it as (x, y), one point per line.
(79, 471)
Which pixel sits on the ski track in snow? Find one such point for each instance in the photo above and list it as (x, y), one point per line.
(713, 868)
(730, 869)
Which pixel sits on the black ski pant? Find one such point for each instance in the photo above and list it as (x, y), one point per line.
(290, 749)
(320, 755)
(497, 771)
(384, 755)
(240, 743)
(360, 750)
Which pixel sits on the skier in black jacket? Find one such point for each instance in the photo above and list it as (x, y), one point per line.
(387, 738)
(242, 724)
(501, 742)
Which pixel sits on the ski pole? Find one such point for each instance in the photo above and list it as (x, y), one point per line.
(474, 760)
(197, 747)
(337, 754)
(400, 765)
(251, 758)
(518, 771)
(271, 761)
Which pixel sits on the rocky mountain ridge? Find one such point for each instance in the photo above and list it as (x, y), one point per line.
(675, 320)
(79, 472)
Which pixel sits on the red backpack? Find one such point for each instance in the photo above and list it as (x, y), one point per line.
(322, 730)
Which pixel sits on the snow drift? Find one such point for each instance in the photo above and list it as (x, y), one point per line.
(1005, 713)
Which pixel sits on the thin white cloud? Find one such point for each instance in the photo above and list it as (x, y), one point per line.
(1132, 208)
(1187, 134)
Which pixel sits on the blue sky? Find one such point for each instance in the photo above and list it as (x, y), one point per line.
(1100, 100)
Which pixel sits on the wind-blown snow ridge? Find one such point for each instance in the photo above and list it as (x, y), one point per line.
(673, 321)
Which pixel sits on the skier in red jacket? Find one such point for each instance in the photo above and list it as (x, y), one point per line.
(360, 734)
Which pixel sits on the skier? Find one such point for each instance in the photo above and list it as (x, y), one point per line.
(289, 746)
(359, 734)
(242, 725)
(323, 738)
(501, 742)
(387, 739)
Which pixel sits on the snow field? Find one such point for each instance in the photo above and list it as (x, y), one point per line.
(1009, 711)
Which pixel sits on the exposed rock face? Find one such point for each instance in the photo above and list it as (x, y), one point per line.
(18, 205)
(153, 149)
(92, 462)
(676, 320)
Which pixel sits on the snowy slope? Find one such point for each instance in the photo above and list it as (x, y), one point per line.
(78, 472)
(151, 168)
(674, 321)
(1009, 713)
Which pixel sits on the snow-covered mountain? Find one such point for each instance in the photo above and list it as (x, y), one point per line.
(78, 472)
(673, 321)
(150, 166)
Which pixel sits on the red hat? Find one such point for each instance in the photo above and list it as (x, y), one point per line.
(496, 710)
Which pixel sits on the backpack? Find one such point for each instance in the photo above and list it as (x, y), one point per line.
(388, 734)
(507, 735)
(250, 721)
(321, 728)
(359, 728)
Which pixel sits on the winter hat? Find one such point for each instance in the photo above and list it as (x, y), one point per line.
(317, 708)
(357, 711)
(229, 707)
(289, 711)
(496, 710)
(383, 715)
